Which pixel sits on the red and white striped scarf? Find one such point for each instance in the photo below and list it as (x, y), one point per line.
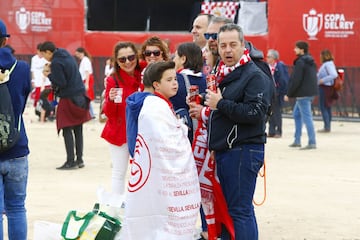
(224, 70)
(212, 198)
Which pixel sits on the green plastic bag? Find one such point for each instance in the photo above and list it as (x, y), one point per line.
(95, 225)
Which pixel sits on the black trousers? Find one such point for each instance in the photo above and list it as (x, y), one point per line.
(275, 122)
(73, 135)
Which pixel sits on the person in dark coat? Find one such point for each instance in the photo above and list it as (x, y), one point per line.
(303, 87)
(73, 107)
(280, 76)
(236, 128)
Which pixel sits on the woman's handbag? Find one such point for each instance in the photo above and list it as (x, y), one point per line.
(339, 80)
(330, 94)
(95, 225)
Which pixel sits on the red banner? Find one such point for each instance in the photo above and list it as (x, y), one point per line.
(335, 26)
(32, 22)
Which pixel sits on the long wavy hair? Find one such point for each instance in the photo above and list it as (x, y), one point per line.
(156, 41)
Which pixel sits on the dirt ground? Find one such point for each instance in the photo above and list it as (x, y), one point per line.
(312, 194)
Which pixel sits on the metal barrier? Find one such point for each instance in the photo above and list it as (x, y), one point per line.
(348, 104)
(347, 107)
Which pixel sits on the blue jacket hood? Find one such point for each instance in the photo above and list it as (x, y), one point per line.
(134, 104)
(6, 58)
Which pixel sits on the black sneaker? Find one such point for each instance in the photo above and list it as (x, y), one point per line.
(67, 166)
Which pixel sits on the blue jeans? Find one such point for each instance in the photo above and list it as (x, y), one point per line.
(13, 182)
(237, 170)
(303, 115)
(325, 111)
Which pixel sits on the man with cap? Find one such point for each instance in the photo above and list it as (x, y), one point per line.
(14, 161)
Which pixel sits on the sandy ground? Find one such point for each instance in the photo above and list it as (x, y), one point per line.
(310, 195)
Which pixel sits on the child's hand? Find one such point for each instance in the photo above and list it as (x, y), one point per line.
(46, 70)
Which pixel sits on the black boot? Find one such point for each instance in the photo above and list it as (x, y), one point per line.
(80, 163)
(68, 166)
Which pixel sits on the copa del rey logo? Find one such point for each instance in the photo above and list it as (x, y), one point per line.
(334, 25)
(38, 21)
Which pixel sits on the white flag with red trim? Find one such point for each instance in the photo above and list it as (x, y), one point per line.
(163, 197)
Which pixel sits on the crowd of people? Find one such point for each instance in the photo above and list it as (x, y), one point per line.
(157, 105)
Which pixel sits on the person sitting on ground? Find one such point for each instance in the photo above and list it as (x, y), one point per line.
(44, 108)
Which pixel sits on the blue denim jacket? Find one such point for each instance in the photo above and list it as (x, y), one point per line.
(327, 72)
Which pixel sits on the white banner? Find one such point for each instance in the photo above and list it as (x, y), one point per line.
(163, 197)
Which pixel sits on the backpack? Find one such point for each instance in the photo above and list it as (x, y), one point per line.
(9, 134)
(183, 113)
(271, 85)
(258, 58)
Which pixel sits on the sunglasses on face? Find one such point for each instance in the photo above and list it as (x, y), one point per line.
(210, 35)
(148, 53)
(130, 58)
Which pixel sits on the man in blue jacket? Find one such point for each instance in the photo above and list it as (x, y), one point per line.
(14, 161)
(237, 128)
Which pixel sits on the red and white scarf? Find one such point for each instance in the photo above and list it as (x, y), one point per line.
(212, 198)
(224, 70)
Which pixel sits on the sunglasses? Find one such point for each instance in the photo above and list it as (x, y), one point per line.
(130, 58)
(210, 35)
(148, 53)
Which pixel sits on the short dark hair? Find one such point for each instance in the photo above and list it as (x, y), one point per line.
(154, 72)
(192, 52)
(38, 46)
(302, 45)
(47, 46)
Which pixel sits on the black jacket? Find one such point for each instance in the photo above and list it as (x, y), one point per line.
(303, 79)
(240, 115)
(65, 76)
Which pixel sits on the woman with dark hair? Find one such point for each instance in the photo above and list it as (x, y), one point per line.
(188, 65)
(86, 72)
(124, 80)
(326, 75)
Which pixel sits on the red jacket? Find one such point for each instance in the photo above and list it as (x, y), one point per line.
(115, 127)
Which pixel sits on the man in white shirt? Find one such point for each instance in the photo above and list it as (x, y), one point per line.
(38, 80)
